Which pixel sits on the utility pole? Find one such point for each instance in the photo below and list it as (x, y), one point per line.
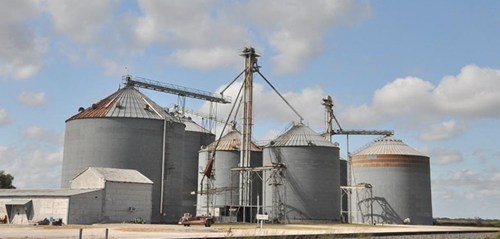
(246, 141)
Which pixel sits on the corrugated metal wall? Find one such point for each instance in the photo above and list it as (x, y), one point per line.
(400, 182)
(129, 143)
(311, 189)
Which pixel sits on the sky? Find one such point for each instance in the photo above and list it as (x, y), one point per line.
(429, 70)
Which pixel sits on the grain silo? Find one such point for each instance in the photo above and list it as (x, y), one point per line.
(196, 137)
(127, 130)
(224, 191)
(304, 184)
(400, 183)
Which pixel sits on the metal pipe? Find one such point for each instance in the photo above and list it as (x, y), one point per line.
(349, 182)
(163, 165)
(258, 207)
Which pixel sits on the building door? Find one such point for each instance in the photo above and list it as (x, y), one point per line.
(18, 215)
(19, 212)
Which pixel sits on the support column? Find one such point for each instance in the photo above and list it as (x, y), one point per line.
(246, 141)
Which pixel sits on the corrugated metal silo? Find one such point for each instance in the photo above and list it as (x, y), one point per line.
(196, 137)
(127, 130)
(401, 184)
(309, 188)
(226, 182)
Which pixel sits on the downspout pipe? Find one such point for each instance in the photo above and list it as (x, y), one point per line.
(163, 165)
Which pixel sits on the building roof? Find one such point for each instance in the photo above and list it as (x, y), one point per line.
(231, 141)
(300, 135)
(126, 102)
(193, 126)
(43, 192)
(118, 175)
(388, 145)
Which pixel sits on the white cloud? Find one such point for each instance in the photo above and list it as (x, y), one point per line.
(22, 49)
(32, 98)
(485, 155)
(205, 58)
(35, 163)
(293, 33)
(475, 92)
(360, 116)
(398, 97)
(40, 134)
(445, 156)
(269, 106)
(455, 191)
(404, 97)
(112, 68)
(444, 130)
(4, 117)
(481, 184)
(204, 33)
(80, 21)
(201, 34)
(32, 166)
(216, 28)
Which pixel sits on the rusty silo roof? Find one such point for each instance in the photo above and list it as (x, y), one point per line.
(231, 141)
(388, 146)
(127, 102)
(300, 135)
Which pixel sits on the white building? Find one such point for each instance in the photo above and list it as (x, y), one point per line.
(96, 195)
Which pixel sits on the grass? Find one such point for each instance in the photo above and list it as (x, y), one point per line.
(473, 222)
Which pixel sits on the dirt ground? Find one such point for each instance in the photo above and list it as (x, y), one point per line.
(225, 230)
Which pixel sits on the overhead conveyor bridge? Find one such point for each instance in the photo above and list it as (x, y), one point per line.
(176, 89)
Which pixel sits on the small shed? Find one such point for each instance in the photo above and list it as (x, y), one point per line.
(72, 206)
(127, 193)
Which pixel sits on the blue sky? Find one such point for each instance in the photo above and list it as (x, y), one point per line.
(428, 70)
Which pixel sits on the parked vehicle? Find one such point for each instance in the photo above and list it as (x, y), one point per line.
(188, 220)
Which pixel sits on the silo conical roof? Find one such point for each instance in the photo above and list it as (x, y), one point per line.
(193, 126)
(127, 102)
(300, 135)
(231, 141)
(389, 145)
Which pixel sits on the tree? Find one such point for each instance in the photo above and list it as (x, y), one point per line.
(6, 181)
